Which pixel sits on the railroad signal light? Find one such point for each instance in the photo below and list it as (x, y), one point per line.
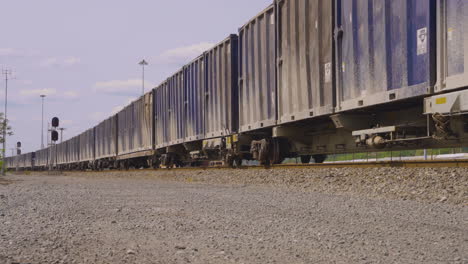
(54, 136)
(55, 122)
(18, 144)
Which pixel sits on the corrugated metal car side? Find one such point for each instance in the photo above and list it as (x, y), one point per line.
(20, 161)
(194, 78)
(27, 160)
(305, 59)
(221, 105)
(134, 126)
(73, 149)
(124, 121)
(452, 37)
(385, 51)
(177, 121)
(9, 162)
(87, 145)
(257, 72)
(62, 153)
(106, 138)
(142, 123)
(42, 157)
(162, 128)
(52, 157)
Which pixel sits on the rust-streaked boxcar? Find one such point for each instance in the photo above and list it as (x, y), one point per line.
(194, 97)
(452, 39)
(221, 105)
(305, 59)
(106, 138)
(135, 127)
(257, 72)
(87, 146)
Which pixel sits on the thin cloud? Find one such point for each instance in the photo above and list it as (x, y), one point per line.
(70, 95)
(60, 62)
(25, 82)
(10, 52)
(7, 52)
(182, 55)
(37, 92)
(121, 87)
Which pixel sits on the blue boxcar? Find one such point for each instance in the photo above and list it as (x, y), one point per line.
(386, 51)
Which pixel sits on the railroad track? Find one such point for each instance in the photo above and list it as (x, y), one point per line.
(381, 164)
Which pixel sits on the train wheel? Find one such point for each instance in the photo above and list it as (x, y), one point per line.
(319, 158)
(305, 159)
(275, 151)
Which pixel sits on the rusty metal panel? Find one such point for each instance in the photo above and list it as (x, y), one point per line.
(135, 126)
(194, 97)
(62, 153)
(257, 72)
(305, 59)
(452, 37)
(385, 50)
(42, 157)
(87, 145)
(73, 150)
(176, 105)
(221, 105)
(162, 126)
(106, 138)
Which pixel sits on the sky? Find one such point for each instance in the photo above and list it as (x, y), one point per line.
(84, 54)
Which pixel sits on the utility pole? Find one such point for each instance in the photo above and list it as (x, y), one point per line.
(7, 74)
(61, 134)
(143, 63)
(42, 123)
(48, 132)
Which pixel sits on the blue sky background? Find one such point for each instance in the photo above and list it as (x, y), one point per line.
(84, 54)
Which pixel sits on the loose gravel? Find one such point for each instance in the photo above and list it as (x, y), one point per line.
(388, 215)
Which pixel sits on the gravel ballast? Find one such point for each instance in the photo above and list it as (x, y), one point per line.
(388, 215)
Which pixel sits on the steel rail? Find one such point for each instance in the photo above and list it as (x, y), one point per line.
(381, 164)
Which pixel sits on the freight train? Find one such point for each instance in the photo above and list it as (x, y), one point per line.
(304, 78)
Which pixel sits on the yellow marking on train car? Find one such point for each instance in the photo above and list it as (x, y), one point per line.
(441, 100)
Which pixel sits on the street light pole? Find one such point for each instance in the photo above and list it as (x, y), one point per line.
(61, 134)
(42, 122)
(143, 63)
(7, 73)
